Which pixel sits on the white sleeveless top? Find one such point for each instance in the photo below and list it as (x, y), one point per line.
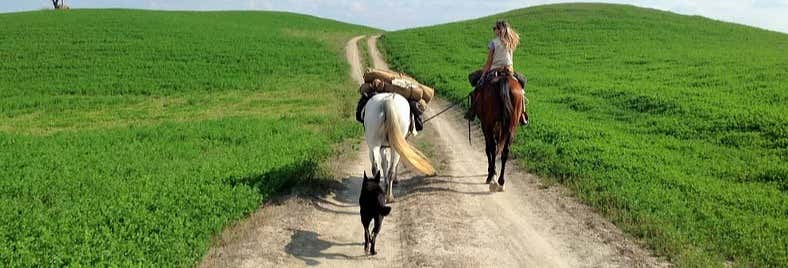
(502, 57)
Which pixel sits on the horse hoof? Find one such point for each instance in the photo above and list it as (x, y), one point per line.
(395, 182)
(389, 199)
(501, 188)
(493, 187)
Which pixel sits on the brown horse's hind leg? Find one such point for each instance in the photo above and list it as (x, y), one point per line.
(504, 157)
(490, 150)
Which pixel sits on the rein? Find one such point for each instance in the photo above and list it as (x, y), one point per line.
(442, 111)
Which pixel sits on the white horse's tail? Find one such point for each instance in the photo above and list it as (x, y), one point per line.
(412, 156)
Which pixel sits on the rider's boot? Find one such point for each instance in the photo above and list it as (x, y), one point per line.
(522, 79)
(524, 118)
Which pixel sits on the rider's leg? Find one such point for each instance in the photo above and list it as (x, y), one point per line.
(523, 81)
(473, 78)
(524, 115)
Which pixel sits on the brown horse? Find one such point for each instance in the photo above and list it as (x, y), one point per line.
(499, 103)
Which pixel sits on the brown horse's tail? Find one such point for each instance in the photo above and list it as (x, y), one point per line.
(504, 94)
(412, 156)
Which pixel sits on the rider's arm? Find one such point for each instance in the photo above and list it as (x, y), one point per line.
(489, 60)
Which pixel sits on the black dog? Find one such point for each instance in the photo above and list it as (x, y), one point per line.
(373, 206)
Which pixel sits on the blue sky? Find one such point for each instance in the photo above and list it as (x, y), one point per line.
(399, 14)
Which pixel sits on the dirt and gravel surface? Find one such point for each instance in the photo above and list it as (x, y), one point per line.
(450, 220)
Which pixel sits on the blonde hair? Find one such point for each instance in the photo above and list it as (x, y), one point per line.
(509, 36)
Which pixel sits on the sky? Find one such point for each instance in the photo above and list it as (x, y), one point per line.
(400, 14)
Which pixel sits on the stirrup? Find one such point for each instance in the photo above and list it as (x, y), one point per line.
(524, 119)
(470, 115)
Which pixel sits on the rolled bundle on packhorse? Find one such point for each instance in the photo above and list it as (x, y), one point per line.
(377, 81)
(401, 83)
(372, 74)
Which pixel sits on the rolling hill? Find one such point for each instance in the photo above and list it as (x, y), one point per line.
(131, 137)
(674, 127)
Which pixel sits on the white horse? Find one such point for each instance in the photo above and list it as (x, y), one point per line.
(386, 123)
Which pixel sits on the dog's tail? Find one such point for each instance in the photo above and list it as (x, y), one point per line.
(412, 156)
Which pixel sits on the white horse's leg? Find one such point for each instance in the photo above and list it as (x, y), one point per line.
(394, 164)
(384, 163)
(374, 159)
(392, 176)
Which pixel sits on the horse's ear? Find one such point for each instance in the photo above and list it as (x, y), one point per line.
(365, 176)
(377, 176)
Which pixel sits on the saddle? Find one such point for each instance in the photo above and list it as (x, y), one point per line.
(493, 76)
(477, 80)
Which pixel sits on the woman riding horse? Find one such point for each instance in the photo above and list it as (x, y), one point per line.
(499, 100)
(499, 59)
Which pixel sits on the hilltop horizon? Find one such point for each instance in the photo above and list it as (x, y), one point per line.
(393, 16)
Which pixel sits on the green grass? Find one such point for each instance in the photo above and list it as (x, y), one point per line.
(675, 127)
(132, 137)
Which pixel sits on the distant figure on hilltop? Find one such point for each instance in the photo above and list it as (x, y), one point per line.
(499, 61)
(60, 4)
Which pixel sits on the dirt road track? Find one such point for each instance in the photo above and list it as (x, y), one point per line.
(450, 220)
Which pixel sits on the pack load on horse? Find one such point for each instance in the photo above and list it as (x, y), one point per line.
(391, 104)
(377, 81)
(498, 98)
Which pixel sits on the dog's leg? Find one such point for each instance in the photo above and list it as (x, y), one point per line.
(366, 235)
(375, 232)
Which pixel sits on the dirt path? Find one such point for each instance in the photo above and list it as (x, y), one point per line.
(374, 53)
(450, 220)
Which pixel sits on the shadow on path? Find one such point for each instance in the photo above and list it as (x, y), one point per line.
(308, 247)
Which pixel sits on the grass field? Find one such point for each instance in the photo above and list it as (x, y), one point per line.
(131, 137)
(675, 127)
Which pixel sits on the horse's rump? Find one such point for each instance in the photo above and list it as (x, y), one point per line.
(390, 126)
(499, 104)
